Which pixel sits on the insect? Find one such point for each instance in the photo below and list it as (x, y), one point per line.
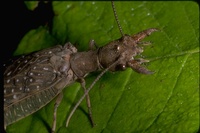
(33, 80)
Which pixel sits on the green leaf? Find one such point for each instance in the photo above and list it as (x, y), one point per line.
(35, 40)
(167, 101)
(31, 5)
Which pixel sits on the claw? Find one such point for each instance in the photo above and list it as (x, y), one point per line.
(135, 65)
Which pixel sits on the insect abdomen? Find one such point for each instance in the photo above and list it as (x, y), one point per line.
(28, 105)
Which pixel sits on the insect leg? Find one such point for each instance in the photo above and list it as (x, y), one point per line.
(88, 102)
(92, 45)
(57, 103)
(87, 91)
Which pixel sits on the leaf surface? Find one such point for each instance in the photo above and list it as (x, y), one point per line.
(167, 101)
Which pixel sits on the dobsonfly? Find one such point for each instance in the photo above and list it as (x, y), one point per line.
(33, 80)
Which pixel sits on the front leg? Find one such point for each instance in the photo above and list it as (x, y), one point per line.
(92, 45)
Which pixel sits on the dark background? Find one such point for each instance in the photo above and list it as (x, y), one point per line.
(19, 20)
(16, 21)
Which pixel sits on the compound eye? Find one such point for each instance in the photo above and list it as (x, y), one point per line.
(118, 48)
(121, 67)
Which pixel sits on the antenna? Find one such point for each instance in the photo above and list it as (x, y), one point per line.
(116, 18)
(87, 91)
(100, 75)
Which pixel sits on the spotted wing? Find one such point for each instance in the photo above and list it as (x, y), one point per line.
(34, 80)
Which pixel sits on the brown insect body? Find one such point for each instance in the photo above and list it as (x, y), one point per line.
(34, 80)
